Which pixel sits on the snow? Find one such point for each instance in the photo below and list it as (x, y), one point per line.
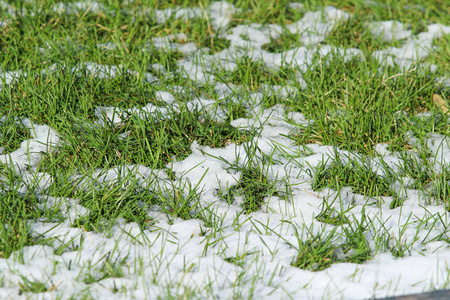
(182, 255)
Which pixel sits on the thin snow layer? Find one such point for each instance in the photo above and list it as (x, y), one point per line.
(241, 255)
(390, 30)
(414, 48)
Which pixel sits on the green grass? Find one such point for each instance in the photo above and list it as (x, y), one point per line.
(19, 206)
(13, 133)
(285, 42)
(354, 33)
(199, 31)
(352, 105)
(269, 12)
(30, 286)
(360, 110)
(353, 174)
(148, 142)
(253, 185)
(320, 251)
(441, 57)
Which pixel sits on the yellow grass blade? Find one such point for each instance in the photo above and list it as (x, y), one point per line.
(440, 103)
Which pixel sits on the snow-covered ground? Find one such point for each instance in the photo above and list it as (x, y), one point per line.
(176, 256)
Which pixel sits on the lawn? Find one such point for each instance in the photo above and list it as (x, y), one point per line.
(224, 150)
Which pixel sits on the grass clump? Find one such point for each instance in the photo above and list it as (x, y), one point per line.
(106, 268)
(149, 141)
(108, 204)
(199, 31)
(125, 198)
(63, 94)
(360, 109)
(319, 251)
(19, 205)
(269, 12)
(355, 174)
(440, 56)
(315, 254)
(30, 286)
(434, 183)
(25, 40)
(331, 215)
(253, 74)
(253, 185)
(12, 133)
(354, 33)
(285, 42)
(14, 235)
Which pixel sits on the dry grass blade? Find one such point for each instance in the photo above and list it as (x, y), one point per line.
(440, 103)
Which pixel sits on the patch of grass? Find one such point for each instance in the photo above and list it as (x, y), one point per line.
(416, 168)
(253, 185)
(150, 141)
(315, 254)
(14, 236)
(356, 132)
(285, 42)
(71, 89)
(106, 268)
(396, 241)
(424, 127)
(331, 215)
(23, 40)
(109, 204)
(236, 111)
(163, 4)
(356, 248)
(359, 110)
(440, 56)
(354, 174)
(238, 259)
(63, 94)
(199, 31)
(320, 251)
(434, 183)
(12, 133)
(18, 204)
(354, 33)
(252, 74)
(167, 59)
(125, 198)
(268, 12)
(30, 286)
(180, 199)
(438, 186)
